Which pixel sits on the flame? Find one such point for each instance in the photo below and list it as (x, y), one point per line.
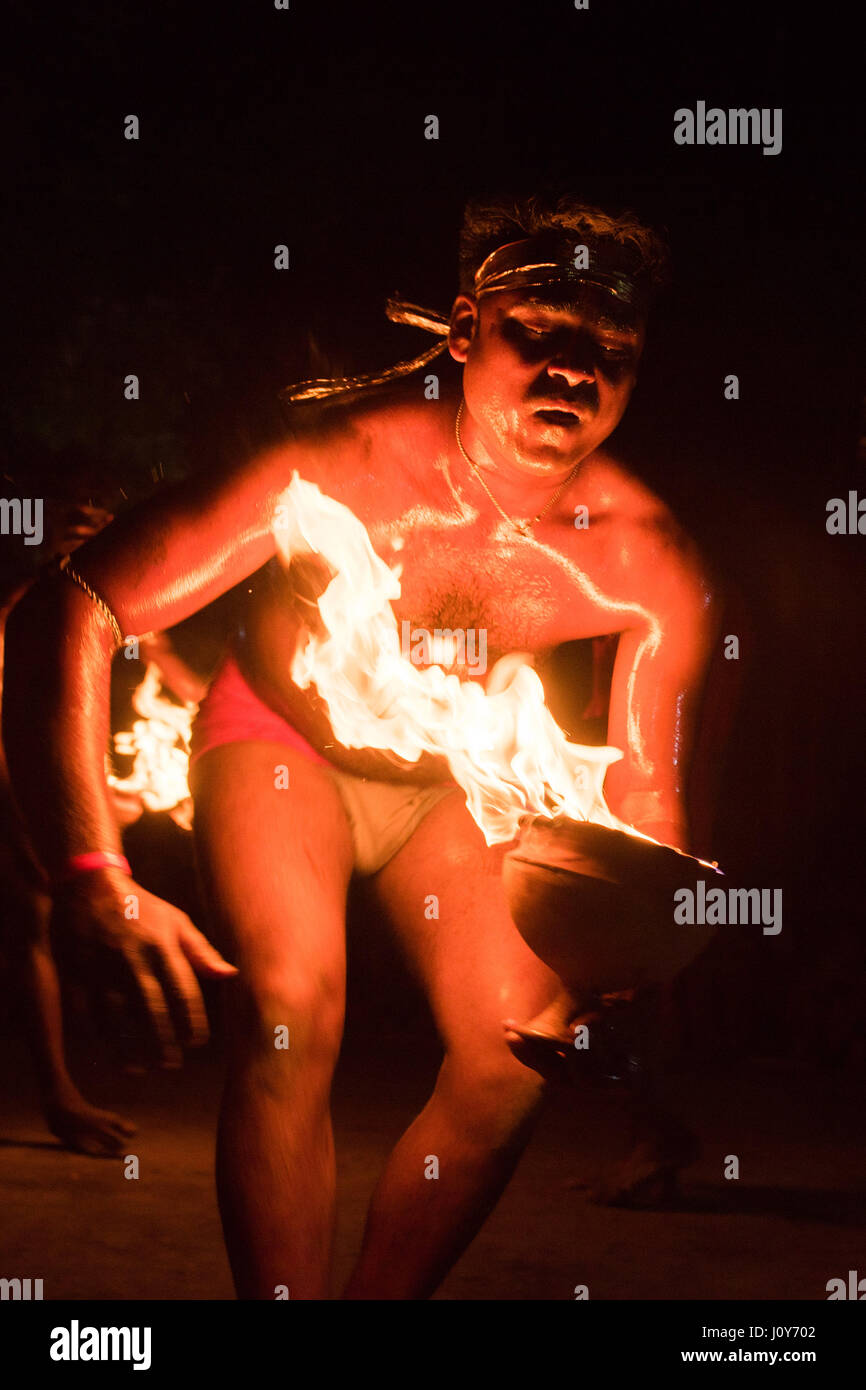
(503, 746)
(159, 744)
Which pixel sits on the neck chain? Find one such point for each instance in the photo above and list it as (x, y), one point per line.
(523, 528)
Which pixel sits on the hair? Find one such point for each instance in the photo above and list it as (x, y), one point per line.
(492, 222)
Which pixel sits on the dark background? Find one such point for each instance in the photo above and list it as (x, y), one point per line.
(307, 127)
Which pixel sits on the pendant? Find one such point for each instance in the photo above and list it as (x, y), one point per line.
(523, 528)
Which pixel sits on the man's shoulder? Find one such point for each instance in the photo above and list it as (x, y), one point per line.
(641, 526)
(615, 490)
(381, 415)
(356, 441)
(350, 448)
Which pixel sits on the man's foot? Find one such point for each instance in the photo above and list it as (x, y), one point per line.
(545, 1042)
(546, 1053)
(595, 1046)
(648, 1178)
(88, 1130)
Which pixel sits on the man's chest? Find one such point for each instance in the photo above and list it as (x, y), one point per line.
(524, 594)
(462, 568)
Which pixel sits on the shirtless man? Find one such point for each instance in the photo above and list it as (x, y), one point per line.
(483, 520)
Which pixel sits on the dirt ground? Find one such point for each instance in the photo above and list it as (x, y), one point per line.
(793, 1219)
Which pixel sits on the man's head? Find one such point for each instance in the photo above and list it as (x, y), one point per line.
(550, 325)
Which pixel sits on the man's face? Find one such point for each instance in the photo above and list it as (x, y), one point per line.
(547, 377)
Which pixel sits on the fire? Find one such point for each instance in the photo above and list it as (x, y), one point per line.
(503, 746)
(159, 744)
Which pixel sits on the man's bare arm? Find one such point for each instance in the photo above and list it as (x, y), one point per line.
(153, 568)
(658, 682)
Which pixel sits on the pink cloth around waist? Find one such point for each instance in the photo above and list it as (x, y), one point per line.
(232, 712)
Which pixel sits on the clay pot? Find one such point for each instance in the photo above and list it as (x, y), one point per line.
(597, 905)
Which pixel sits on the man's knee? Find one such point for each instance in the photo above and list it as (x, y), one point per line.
(292, 1019)
(496, 1095)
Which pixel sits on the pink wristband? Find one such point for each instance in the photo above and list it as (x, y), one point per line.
(95, 859)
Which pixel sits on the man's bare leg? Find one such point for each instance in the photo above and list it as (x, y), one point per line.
(69, 1115)
(477, 971)
(76, 1123)
(276, 864)
(662, 1144)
